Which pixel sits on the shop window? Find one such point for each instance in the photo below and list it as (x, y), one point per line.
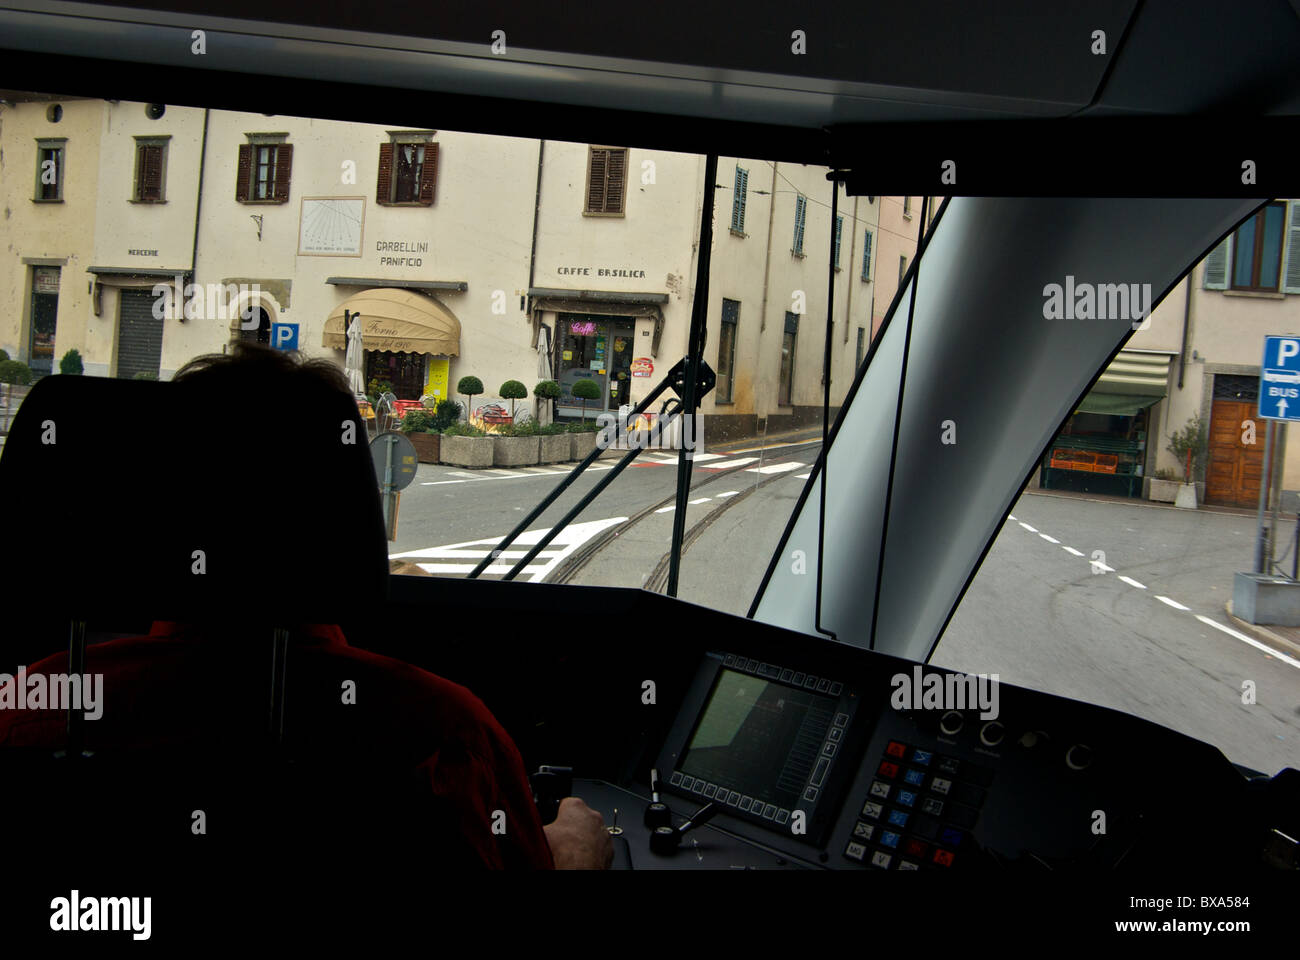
(150, 170)
(788, 341)
(263, 172)
(606, 181)
(1257, 250)
(405, 371)
(727, 351)
(408, 171)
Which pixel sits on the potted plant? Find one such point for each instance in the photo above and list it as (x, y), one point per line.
(554, 445)
(547, 391)
(513, 390)
(71, 364)
(417, 425)
(1189, 445)
(13, 372)
(585, 390)
(471, 387)
(1164, 486)
(582, 438)
(515, 445)
(376, 388)
(466, 446)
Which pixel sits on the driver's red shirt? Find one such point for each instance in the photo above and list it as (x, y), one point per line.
(177, 685)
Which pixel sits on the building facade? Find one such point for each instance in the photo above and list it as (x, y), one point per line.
(462, 254)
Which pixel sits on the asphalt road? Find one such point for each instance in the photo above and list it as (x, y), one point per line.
(1123, 606)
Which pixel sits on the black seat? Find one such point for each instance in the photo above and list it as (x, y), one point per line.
(206, 515)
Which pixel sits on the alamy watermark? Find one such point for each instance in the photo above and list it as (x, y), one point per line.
(76, 913)
(1098, 301)
(209, 301)
(953, 691)
(57, 691)
(647, 432)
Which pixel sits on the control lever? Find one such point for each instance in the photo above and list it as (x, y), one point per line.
(666, 839)
(550, 785)
(657, 813)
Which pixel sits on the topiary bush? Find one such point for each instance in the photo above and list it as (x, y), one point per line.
(445, 414)
(471, 387)
(512, 390)
(4, 355)
(417, 421)
(71, 363)
(15, 372)
(459, 429)
(586, 390)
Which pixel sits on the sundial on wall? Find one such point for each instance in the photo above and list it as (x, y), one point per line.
(331, 226)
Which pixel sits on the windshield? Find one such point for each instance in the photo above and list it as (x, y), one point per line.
(505, 304)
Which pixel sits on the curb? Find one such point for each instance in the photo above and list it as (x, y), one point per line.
(1261, 632)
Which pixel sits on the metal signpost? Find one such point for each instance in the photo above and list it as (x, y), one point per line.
(395, 462)
(1279, 404)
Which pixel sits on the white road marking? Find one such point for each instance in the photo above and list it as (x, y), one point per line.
(568, 540)
(1049, 539)
(1077, 553)
(669, 509)
(777, 468)
(702, 457)
(728, 464)
(729, 493)
(802, 476)
(1028, 527)
(463, 473)
(503, 471)
(701, 500)
(1011, 516)
(1173, 603)
(1133, 583)
(1098, 565)
(438, 483)
(1250, 640)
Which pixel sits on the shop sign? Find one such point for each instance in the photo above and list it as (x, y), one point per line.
(642, 367)
(582, 328)
(46, 280)
(439, 368)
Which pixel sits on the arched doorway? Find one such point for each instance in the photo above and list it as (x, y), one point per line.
(259, 334)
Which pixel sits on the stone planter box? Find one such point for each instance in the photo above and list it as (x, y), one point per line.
(1187, 496)
(1163, 491)
(581, 445)
(1258, 598)
(428, 446)
(514, 451)
(554, 448)
(467, 451)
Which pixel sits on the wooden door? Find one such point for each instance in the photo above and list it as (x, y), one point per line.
(1234, 468)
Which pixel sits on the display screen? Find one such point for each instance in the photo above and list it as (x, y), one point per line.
(758, 737)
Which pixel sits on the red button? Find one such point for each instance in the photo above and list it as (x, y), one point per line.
(888, 770)
(943, 858)
(915, 848)
(896, 749)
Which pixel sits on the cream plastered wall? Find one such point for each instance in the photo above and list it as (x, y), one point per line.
(51, 231)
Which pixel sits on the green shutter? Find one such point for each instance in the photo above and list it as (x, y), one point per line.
(1216, 265)
(1291, 261)
(866, 255)
(839, 228)
(738, 201)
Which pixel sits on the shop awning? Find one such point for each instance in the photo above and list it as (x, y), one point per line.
(400, 321)
(601, 302)
(1134, 380)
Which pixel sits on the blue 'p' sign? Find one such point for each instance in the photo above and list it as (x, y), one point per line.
(1279, 381)
(284, 336)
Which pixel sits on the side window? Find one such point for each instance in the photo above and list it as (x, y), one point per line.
(150, 170)
(788, 340)
(800, 217)
(738, 200)
(727, 350)
(866, 255)
(49, 170)
(408, 171)
(264, 172)
(606, 181)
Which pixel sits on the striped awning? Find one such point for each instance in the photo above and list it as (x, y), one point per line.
(399, 321)
(1136, 372)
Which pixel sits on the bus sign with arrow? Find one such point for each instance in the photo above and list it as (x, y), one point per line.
(1279, 382)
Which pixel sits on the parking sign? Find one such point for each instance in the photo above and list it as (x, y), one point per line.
(1279, 381)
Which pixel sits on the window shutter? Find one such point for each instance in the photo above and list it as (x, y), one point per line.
(798, 224)
(243, 172)
(596, 182)
(151, 173)
(1216, 265)
(283, 171)
(615, 180)
(384, 182)
(738, 202)
(429, 175)
(866, 255)
(1291, 265)
(839, 228)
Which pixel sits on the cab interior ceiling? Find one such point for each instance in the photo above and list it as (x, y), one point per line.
(546, 659)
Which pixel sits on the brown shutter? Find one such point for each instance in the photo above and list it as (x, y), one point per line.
(615, 180)
(596, 182)
(151, 173)
(243, 172)
(283, 171)
(429, 175)
(384, 184)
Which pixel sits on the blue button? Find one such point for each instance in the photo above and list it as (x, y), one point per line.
(950, 837)
(906, 798)
(914, 777)
(898, 818)
(889, 838)
(923, 757)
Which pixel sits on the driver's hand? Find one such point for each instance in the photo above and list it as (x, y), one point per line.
(578, 838)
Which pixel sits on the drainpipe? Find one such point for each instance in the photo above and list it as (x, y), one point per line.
(1187, 316)
(537, 207)
(198, 206)
(767, 269)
